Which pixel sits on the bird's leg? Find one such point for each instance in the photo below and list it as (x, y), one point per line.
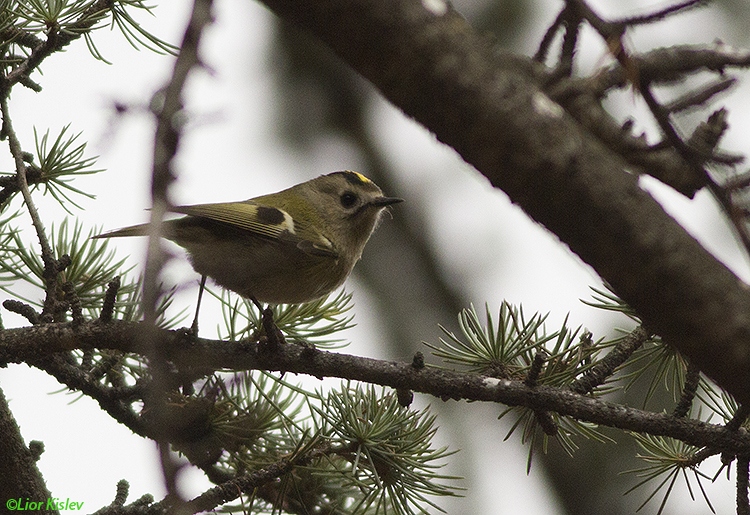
(194, 326)
(274, 335)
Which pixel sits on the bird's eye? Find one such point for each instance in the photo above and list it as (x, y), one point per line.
(348, 199)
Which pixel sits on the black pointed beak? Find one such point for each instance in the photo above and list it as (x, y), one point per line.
(385, 201)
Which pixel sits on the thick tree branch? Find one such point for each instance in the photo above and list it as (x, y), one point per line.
(490, 107)
(31, 344)
(20, 477)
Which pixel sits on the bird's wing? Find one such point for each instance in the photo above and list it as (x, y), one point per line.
(267, 221)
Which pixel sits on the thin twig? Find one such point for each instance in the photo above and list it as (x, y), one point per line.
(606, 366)
(737, 182)
(667, 65)
(543, 418)
(110, 298)
(50, 264)
(549, 36)
(663, 13)
(692, 379)
(739, 418)
(701, 95)
(71, 298)
(536, 369)
(166, 142)
(608, 30)
(233, 488)
(23, 309)
(115, 401)
(735, 214)
(569, 44)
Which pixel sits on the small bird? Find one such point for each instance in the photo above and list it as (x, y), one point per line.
(289, 247)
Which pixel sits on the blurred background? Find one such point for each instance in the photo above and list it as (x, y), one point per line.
(272, 108)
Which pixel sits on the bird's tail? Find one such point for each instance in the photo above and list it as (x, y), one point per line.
(133, 230)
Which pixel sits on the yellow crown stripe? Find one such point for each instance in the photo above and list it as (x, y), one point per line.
(361, 177)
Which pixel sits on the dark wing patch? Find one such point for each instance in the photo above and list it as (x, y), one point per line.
(265, 221)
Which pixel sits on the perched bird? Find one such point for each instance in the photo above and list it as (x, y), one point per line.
(289, 247)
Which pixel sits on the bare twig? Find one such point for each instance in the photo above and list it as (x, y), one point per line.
(233, 488)
(611, 32)
(739, 418)
(701, 95)
(110, 298)
(536, 369)
(569, 45)
(545, 420)
(71, 298)
(51, 269)
(26, 311)
(167, 110)
(549, 36)
(662, 13)
(605, 367)
(670, 64)
(689, 389)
